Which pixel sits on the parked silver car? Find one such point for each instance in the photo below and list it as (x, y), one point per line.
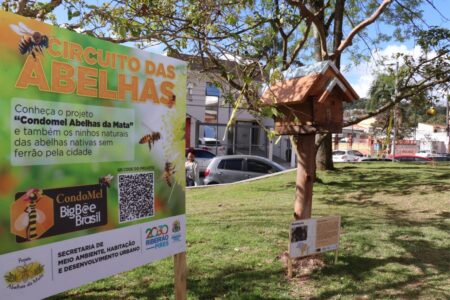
(231, 168)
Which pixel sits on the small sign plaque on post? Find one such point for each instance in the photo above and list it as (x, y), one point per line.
(312, 236)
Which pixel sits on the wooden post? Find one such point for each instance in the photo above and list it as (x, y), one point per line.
(179, 261)
(306, 167)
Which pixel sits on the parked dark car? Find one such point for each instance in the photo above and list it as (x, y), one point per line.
(440, 158)
(411, 158)
(231, 168)
(374, 159)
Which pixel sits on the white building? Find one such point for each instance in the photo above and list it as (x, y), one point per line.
(432, 137)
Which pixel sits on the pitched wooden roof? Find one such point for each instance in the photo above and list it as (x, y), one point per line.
(318, 80)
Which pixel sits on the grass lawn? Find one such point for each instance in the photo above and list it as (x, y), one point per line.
(395, 240)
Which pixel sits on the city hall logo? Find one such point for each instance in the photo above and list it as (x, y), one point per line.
(25, 274)
(40, 213)
(157, 237)
(176, 228)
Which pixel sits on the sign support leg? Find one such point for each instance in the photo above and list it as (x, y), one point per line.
(289, 258)
(336, 252)
(179, 261)
(289, 266)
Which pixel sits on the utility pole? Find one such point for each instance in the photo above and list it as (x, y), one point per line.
(217, 124)
(448, 123)
(395, 111)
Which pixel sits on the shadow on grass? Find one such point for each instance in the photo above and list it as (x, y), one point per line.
(232, 282)
(420, 254)
(422, 258)
(367, 181)
(236, 281)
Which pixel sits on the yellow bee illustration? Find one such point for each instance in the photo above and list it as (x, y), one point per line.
(32, 42)
(150, 139)
(169, 170)
(31, 216)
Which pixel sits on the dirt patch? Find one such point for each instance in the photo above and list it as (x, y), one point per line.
(302, 267)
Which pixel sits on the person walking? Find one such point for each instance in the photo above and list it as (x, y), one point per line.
(192, 174)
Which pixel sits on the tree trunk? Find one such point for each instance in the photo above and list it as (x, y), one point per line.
(337, 30)
(305, 151)
(316, 6)
(324, 156)
(307, 158)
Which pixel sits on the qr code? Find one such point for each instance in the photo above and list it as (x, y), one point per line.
(136, 196)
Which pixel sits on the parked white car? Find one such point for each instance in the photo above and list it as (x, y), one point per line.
(347, 156)
(212, 145)
(426, 153)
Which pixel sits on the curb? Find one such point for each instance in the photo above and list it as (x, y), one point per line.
(239, 182)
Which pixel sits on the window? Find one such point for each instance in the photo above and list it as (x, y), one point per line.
(338, 153)
(357, 153)
(258, 167)
(221, 165)
(231, 164)
(212, 90)
(209, 132)
(212, 143)
(212, 97)
(203, 154)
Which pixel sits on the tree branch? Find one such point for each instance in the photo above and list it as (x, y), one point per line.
(348, 41)
(31, 12)
(299, 45)
(413, 90)
(313, 17)
(413, 16)
(21, 6)
(329, 22)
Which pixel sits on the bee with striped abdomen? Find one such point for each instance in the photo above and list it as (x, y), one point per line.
(31, 216)
(32, 42)
(150, 139)
(169, 170)
(106, 180)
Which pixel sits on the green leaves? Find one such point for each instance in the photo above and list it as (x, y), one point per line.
(275, 76)
(122, 30)
(231, 19)
(71, 14)
(181, 43)
(433, 37)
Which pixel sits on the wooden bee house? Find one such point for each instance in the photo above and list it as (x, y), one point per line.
(310, 100)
